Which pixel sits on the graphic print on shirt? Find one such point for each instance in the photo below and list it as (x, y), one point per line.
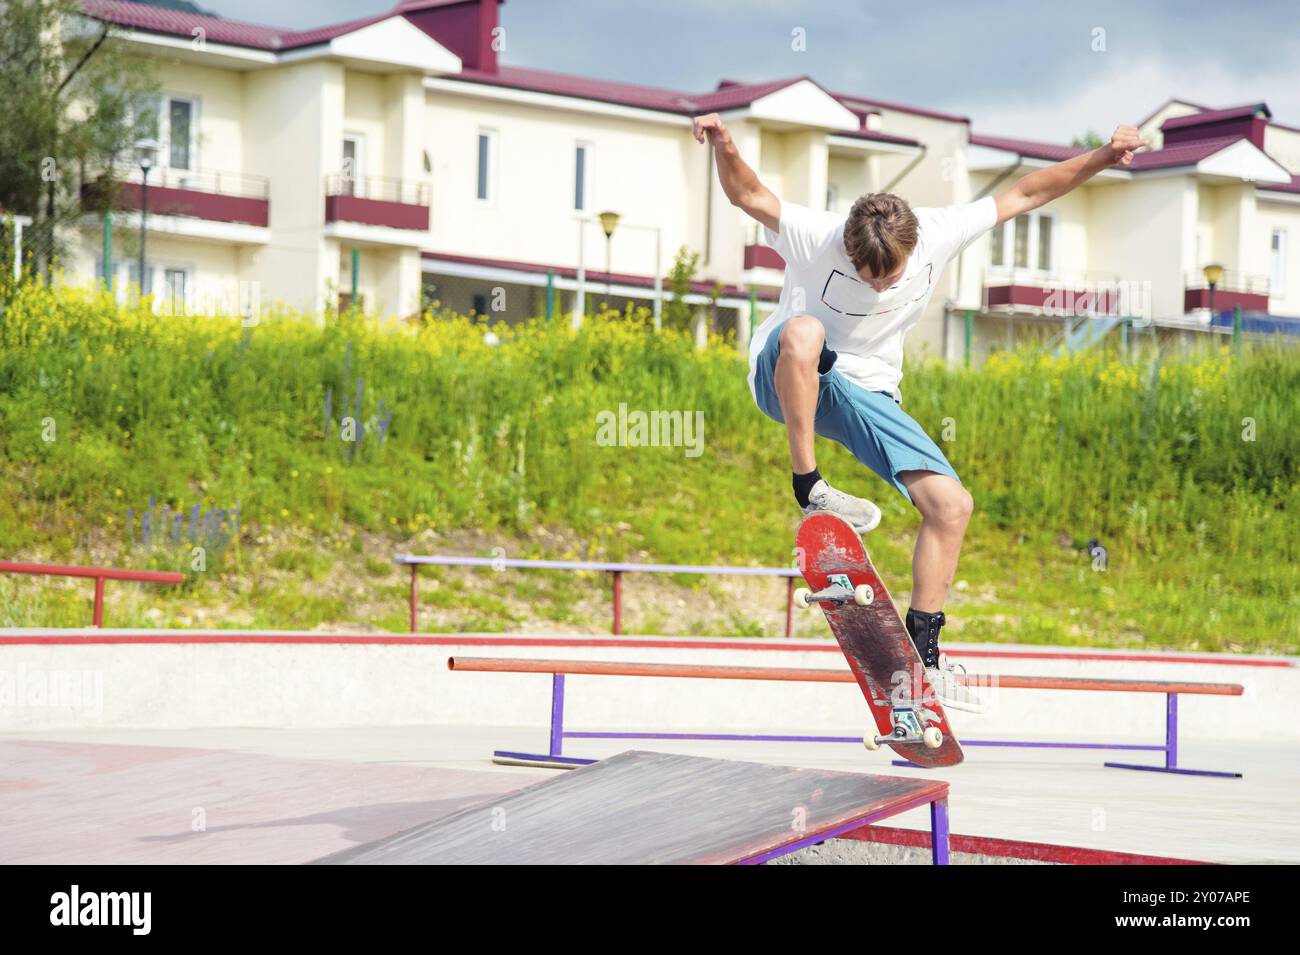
(854, 298)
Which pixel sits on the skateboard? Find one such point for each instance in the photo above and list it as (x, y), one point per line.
(875, 641)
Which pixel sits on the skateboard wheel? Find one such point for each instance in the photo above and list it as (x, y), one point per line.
(863, 595)
(802, 598)
(869, 741)
(932, 737)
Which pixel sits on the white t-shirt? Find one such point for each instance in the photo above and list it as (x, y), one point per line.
(866, 329)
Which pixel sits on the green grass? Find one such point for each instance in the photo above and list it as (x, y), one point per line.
(1184, 467)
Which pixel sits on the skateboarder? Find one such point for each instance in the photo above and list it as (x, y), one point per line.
(829, 360)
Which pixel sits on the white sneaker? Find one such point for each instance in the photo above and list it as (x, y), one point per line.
(861, 513)
(946, 679)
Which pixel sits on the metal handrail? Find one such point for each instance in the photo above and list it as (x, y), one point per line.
(382, 188)
(99, 574)
(615, 569)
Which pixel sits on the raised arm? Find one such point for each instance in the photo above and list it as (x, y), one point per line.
(739, 182)
(1041, 187)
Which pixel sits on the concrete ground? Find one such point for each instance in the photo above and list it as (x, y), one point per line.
(287, 796)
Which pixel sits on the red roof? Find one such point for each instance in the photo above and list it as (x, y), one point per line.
(1028, 147)
(1215, 115)
(236, 33)
(849, 99)
(1292, 186)
(1181, 154)
(730, 94)
(582, 87)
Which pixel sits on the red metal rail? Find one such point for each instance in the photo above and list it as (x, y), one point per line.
(615, 569)
(814, 675)
(99, 574)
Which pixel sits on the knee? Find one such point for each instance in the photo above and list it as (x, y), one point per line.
(951, 509)
(802, 338)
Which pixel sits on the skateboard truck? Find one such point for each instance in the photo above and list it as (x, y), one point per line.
(841, 591)
(907, 729)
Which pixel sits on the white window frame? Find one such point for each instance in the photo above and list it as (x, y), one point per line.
(490, 176)
(589, 151)
(160, 280)
(1009, 244)
(165, 132)
(358, 141)
(1277, 263)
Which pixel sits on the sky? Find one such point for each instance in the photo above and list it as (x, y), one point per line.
(1036, 69)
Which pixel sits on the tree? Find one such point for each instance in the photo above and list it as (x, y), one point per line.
(677, 311)
(73, 103)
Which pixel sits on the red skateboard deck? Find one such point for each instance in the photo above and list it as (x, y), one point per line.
(874, 639)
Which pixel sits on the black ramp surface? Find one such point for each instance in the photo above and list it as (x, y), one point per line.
(641, 807)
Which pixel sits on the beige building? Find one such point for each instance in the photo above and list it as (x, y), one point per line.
(396, 158)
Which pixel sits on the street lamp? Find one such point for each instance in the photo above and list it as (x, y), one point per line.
(146, 155)
(609, 222)
(1213, 276)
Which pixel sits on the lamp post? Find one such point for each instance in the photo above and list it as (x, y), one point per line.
(146, 154)
(609, 222)
(1213, 276)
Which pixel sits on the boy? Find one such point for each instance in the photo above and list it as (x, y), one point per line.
(829, 360)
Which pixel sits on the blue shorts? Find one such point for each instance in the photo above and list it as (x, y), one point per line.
(871, 424)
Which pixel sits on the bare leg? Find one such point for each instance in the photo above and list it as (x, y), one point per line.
(945, 508)
(797, 384)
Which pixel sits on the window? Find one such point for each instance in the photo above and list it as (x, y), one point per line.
(1021, 254)
(1277, 267)
(174, 290)
(1024, 243)
(133, 276)
(832, 196)
(998, 244)
(582, 177)
(1044, 258)
(354, 157)
(487, 147)
(180, 132)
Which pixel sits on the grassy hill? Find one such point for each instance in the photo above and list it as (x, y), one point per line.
(287, 462)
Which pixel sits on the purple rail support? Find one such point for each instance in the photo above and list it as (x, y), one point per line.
(557, 714)
(559, 734)
(1171, 749)
(618, 602)
(415, 597)
(789, 607)
(939, 832)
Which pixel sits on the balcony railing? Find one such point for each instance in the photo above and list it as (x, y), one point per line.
(208, 194)
(377, 201)
(1247, 290)
(1065, 293)
(380, 188)
(215, 181)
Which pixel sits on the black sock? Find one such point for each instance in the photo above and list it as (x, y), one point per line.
(803, 483)
(924, 628)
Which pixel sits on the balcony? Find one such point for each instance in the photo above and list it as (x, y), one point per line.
(1060, 294)
(1248, 290)
(207, 195)
(377, 201)
(762, 257)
